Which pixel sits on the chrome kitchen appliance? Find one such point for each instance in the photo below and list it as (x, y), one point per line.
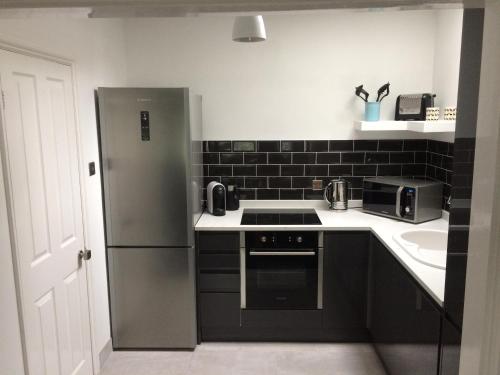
(406, 199)
(336, 194)
(150, 148)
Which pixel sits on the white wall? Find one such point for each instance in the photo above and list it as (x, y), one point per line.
(299, 84)
(447, 56)
(97, 47)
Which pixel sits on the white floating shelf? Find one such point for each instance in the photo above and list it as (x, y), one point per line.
(440, 126)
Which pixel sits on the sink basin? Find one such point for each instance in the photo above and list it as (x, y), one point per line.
(426, 246)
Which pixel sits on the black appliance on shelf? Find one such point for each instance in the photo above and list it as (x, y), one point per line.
(413, 106)
(232, 198)
(282, 270)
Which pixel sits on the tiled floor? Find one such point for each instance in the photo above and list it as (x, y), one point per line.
(250, 359)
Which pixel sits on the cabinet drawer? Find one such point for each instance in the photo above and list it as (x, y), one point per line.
(219, 262)
(219, 242)
(288, 319)
(220, 310)
(220, 282)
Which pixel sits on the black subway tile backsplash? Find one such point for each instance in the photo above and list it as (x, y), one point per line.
(256, 158)
(377, 158)
(280, 182)
(231, 158)
(219, 146)
(302, 182)
(273, 194)
(328, 158)
(247, 146)
(390, 145)
(292, 170)
(343, 145)
(415, 145)
(402, 157)
(286, 169)
(352, 158)
(304, 158)
(364, 170)
(417, 170)
(268, 146)
(279, 158)
(268, 170)
(247, 194)
(239, 181)
(220, 170)
(389, 170)
(256, 182)
(317, 146)
(340, 170)
(316, 170)
(244, 170)
(291, 194)
(313, 194)
(365, 145)
(297, 146)
(211, 158)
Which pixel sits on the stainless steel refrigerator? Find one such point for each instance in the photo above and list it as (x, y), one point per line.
(151, 165)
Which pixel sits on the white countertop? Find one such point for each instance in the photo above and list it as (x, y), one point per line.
(430, 278)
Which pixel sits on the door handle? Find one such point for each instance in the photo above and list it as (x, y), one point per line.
(282, 253)
(85, 254)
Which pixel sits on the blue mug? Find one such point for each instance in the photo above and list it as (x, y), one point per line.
(372, 111)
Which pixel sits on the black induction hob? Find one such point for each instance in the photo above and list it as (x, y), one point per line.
(282, 216)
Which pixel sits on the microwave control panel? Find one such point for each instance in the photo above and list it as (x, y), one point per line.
(408, 196)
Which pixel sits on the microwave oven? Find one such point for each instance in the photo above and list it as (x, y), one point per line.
(406, 199)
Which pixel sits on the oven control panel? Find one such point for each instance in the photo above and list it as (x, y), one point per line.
(278, 239)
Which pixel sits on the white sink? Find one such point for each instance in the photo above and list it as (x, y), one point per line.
(426, 246)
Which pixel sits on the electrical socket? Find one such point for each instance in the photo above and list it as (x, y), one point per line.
(317, 184)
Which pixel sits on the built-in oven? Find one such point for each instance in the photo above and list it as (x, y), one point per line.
(282, 270)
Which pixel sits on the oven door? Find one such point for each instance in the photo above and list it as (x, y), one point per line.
(281, 279)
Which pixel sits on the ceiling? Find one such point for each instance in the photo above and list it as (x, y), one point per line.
(178, 8)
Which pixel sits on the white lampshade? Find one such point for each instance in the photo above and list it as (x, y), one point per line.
(249, 29)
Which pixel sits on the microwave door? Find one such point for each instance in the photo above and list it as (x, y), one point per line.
(380, 198)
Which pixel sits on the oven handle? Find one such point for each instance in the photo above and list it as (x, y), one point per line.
(282, 253)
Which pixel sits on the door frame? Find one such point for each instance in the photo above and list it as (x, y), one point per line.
(31, 52)
(481, 329)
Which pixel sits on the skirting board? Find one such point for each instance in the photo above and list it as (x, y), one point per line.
(104, 353)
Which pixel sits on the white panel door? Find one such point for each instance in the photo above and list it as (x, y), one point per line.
(40, 146)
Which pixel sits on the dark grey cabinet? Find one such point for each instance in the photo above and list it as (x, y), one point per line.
(218, 285)
(345, 283)
(404, 323)
(450, 348)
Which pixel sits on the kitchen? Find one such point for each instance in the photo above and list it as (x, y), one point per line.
(273, 122)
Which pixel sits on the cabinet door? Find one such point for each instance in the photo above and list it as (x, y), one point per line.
(345, 283)
(450, 349)
(403, 322)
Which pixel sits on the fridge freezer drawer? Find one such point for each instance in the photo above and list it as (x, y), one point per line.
(152, 296)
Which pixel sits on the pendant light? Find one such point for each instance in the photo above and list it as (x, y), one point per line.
(249, 29)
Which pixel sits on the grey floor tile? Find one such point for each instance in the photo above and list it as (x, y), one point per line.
(250, 359)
